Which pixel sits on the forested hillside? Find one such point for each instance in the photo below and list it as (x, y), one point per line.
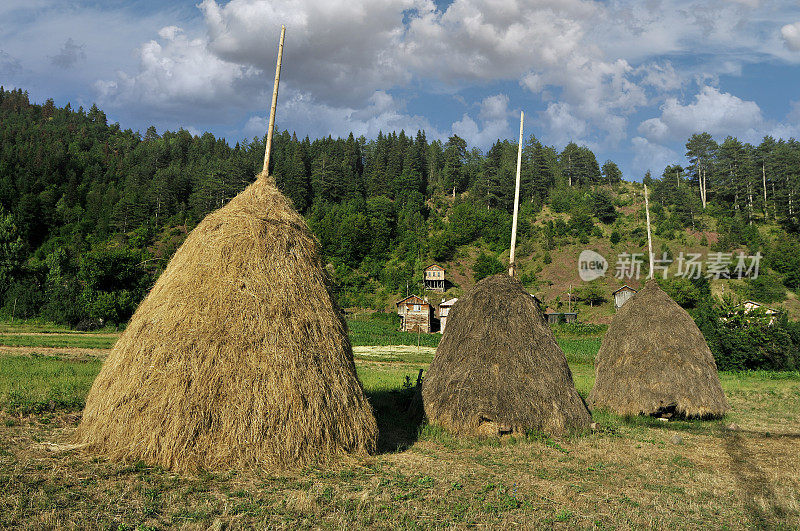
(91, 212)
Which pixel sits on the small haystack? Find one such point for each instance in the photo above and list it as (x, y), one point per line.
(655, 361)
(498, 368)
(239, 355)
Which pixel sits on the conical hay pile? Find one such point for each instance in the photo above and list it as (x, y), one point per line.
(237, 357)
(655, 360)
(499, 369)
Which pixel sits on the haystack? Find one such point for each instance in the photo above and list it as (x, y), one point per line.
(239, 355)
(498, 368)
(655, 361)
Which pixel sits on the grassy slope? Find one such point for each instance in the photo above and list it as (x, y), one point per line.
(632, 472)
(560, 276)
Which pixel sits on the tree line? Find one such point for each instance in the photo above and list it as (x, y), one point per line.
(90, 212)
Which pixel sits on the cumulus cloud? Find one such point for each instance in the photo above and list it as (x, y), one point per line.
(341, 51)
(650, 156)
(661, 76)
(563, 126)
(70, 54)
(492, 122)
(382, 113)
(711, 111)
(791, 36)
(178, 73)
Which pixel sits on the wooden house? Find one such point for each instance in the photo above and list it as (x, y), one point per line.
(434, 278)
(416, 314)
(622, 295)
(553, 317)
(444, 310)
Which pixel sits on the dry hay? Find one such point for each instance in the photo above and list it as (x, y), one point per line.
(239, 356)
(498, 368)
(655, 361)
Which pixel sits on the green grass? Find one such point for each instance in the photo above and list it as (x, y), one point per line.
(383, 329)
(581, 351)
(58, 341)
(628, 473)
(38, 383)
(43, 327)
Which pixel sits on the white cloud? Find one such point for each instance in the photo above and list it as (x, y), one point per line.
(178, 74)
(650, 156)
(661, 76)
(340, 51)
(383, 113)
(712, 111)
(493, 117)
(562, 125)
(791, 36)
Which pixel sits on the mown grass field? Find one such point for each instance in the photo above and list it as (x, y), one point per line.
(738, 472)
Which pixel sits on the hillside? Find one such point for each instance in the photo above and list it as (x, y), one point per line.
(90, 213)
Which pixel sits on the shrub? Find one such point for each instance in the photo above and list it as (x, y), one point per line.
(764, 288)
(486, 265)
(604, 207)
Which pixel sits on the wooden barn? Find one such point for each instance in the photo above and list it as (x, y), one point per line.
(622, 295)
(553, 317)
(416, 314)
(444, 309)
(434, 278)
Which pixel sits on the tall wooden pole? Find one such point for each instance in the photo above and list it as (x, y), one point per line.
(265, 170)
(511, 265)
(649, 236)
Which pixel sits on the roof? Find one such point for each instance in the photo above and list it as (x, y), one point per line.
(623, 288)
(421, 300)
(434, 266)
(448, 302)
(759, 305)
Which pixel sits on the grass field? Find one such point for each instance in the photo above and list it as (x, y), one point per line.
(739, 472)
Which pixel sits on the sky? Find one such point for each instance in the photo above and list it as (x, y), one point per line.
(630, 79)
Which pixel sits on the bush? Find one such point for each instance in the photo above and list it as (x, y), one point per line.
(687, 293)
(764, 288)
(486, 265)
(749, 341)
(604, 207)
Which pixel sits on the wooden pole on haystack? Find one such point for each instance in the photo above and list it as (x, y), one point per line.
(274, 105)
(649, 236)
(511, 265)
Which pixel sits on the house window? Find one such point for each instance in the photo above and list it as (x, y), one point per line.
(416, 307)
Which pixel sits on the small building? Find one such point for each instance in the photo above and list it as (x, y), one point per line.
(622, 295)
(415, 313)
(444, 310)
(750, 306)
(434, 278)
(560, 317)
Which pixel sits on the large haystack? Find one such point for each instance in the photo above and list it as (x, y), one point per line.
(238, 356)
(654, 360)
(499, 369)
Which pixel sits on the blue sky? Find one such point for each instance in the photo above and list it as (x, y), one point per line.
(631, 79)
